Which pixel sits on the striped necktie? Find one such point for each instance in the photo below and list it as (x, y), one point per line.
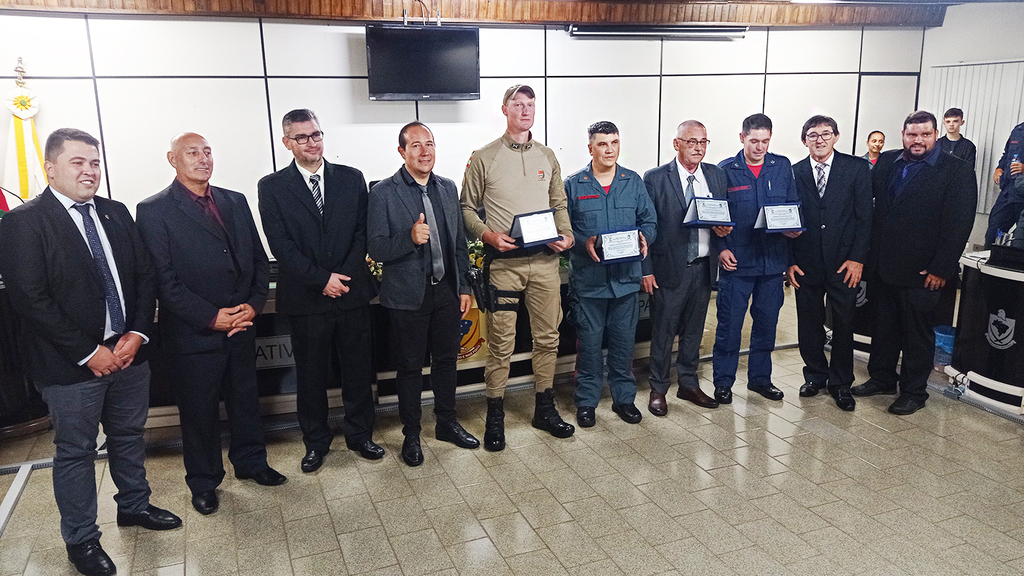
(318, 197)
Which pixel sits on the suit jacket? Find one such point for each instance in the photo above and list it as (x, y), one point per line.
(668, 251)
(838, 223)
(309, 247)
(56, 290)
(394, 206)
(927, 226)
(202, 267)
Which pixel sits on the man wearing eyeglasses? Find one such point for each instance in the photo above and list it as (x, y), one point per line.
(828, 258)
(681, 269)
(314, 216)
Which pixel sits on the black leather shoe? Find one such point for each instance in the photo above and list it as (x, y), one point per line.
(871, 388)
(905, 406)
(494, 429)
(547, 418)
(369, 450)
(723, 395)
(628, 413)
(152, 518)
(412, 453)
(697, 396)
(585, 416)
(266, 477)
(811, 389)
(844, 399)
(90, 559)
(313, 459)
(454, 432)
(769, 391)
(205, 502)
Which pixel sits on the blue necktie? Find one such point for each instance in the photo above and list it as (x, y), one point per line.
(100, 260)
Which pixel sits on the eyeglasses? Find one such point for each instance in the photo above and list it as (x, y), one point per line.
(303, 138)
(693, 142)
(825, 136)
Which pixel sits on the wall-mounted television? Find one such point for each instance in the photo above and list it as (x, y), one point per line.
(423, 62)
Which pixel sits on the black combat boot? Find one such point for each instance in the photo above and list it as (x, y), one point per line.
(545, 416)
(494, 430)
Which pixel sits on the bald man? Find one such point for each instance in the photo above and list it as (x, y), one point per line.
(212, 280)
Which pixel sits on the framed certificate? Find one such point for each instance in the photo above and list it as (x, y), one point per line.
(708, 212)
(620, 246)
(780, 218)
(534, 229)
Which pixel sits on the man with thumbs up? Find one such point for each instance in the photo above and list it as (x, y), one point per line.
(415, 229)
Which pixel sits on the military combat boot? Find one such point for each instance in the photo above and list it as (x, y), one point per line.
(494, 430)
(545, 416)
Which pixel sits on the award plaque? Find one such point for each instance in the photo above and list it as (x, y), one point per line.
(621, 246)
(707, 213)
(780, 218)
(534, 229)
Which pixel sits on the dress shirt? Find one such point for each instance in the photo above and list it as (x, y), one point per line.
(76, 217)
(319, 172)
(700, 190)
(206, 203)
(906, 168)
(828, 167)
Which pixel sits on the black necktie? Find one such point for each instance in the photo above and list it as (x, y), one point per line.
(99, 258)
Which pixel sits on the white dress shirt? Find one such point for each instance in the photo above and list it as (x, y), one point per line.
(700, 190)
(828, 168)
(319, 172)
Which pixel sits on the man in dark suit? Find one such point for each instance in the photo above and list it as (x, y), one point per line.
(925, 202)
(85, 296)
(682, 266)
(415, 230)
(212, 279)
(828, 259)
(314, 216)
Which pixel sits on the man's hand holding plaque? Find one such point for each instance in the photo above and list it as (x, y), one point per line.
(620, 246)
(708, 213)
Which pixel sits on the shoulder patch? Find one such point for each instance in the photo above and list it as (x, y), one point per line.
(468, 162)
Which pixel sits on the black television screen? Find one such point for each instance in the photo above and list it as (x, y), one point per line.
(423, 62)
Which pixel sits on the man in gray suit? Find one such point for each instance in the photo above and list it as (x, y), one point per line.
(415, 230)
(681, 269)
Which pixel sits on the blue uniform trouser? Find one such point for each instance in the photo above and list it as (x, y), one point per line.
(594, 318)
(734, 292)
(1004, 214)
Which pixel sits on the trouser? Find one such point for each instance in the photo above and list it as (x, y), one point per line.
(120, 401)
(812, 298)
(537, 278)
(201, 380)
(904, 321)
(1005, 212)
(434, 327)
(680, 310)
(595, 318)
(734, 292)
(316, 340)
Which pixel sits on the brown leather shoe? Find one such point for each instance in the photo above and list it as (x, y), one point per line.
(696, 396)
(657, 405)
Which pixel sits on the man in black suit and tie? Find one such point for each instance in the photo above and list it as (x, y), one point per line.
(85, 296)
(925, 202)
(829, 257)
(415, 230)
(314, 216)
(212, 279)
(682, 266)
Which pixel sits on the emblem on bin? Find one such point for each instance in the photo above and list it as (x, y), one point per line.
(1000, 330)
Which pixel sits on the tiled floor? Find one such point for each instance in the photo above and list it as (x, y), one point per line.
(758, 487)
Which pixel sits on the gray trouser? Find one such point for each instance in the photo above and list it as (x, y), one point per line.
(681, 311)
(120, 401)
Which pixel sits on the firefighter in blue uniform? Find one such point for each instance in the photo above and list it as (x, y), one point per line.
(1010, 201)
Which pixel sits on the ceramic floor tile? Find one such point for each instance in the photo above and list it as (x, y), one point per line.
(269, 559)
(571, 544)
(691, 557)
(325, 564)
(435, 491)
(534, 563)
(713, 531)
(632, 553)
(420, 553)
(353, 513)
(402, 515)
(258, 528)
(312, 535)
(211, 557)
(455, 524)
(366, 550)
(596, 517)
(566, 485)
(487, 500)
(654, 523)
(512, 535)
(478, 557)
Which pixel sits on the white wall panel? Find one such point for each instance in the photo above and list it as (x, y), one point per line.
(48, 45)
(885, 101)
(463, 126)
(576, 103)
(977, 32)
(790, 99)
(357, 132)
(163, 47)
(813, 50)
(63, 103)
(893, 50)
(314, 49)
(717, 57)
(719, 102)
(512, 52)
(230, 113)
(569, 56)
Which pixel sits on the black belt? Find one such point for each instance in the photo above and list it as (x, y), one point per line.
(698, 261)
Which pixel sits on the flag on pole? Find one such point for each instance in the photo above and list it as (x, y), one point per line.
(23, 171)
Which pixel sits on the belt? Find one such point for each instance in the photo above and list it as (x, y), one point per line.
(112, 341)
(698, 261)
